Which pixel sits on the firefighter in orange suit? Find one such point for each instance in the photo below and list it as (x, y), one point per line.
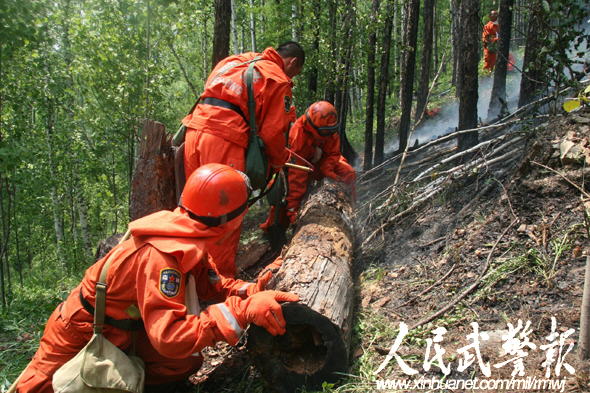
(314, 138)
(217, 129)
(489, 38)
(160, 274)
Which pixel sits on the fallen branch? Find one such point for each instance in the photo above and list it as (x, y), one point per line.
(564, 178)
(460, 154)
(470, 289)
(436, 186)
(430, 243)
(416, 204)
(376, 168)
(429, 288)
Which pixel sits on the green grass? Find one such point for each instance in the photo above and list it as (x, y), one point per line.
(23, 320)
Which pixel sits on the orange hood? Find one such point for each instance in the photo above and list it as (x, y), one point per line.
(175, 233)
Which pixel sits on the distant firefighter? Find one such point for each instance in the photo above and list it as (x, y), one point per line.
(489, 38)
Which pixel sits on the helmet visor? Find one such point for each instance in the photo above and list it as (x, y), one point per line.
(325, 130)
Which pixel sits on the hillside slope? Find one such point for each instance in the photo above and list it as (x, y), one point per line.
(510, 236)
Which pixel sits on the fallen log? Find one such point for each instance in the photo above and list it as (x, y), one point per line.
(317, 267)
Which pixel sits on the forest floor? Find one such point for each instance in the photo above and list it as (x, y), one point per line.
(515, 232)
(526, 221)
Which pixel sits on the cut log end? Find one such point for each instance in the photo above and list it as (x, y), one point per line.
(310, 353)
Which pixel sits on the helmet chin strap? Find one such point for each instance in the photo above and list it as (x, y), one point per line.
(215, 221)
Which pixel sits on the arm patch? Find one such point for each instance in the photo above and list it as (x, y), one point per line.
(170, 281)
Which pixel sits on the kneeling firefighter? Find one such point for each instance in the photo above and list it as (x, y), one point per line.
(154, 282)
(314, 141)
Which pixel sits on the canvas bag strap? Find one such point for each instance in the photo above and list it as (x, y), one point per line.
(101, 289)
(251, 98)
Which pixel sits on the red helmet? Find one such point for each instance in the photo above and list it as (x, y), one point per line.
(322, 117)
(215, 194)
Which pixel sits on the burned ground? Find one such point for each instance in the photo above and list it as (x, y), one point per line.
(520, 218)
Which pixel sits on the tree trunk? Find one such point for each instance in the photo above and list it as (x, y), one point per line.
(313, 74)
(5, 216)
(234, 28)
(428, 35)
(153, 187)
(332, 61)
(368, 160)
(221, 31)
(341, 102)
(498, 105)
(55, 202)
(83, 219)
(408, 72)
(584, 342)
(533, 69)
(252, 27)
(467, 78)
(317, 267)
(383, 82)
(456, 34)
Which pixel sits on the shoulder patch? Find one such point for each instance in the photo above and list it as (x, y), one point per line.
(170, 280)
(287, 104)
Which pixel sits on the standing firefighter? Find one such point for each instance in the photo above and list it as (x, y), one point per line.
(489, 38)
(159, 275)
(314, 139)
(219, 128)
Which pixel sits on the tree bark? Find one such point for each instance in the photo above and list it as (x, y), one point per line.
(533, 69)
(455, 34)
(383, 82)
(498, 96)
(330, 91)
(312, 83)
(221, 33)
(234, 27)
(55, 202)
(252, 27)
(153, 187)
(428, 35)
(317, 267)
(467, 78)
(341, 102)
(368, 160)
(409, 69)
(584, 343)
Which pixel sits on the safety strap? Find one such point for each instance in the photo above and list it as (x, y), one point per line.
(101, 288)
(123, 324)
(251, 99)
(178, 138)
(217, 220)
(223, 104)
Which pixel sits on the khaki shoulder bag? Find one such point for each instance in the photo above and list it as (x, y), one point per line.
(100, 366)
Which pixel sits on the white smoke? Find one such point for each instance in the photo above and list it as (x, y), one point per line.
(446, 120)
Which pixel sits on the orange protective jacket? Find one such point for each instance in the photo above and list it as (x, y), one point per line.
(162, 271)
(323, 153)
(273, 96)
(489, 33)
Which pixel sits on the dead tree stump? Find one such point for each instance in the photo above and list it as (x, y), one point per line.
(153, 186)
(317, 267)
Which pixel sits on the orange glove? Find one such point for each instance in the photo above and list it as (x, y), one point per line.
(262, 309)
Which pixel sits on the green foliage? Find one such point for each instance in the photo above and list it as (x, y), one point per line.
(564, 39)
